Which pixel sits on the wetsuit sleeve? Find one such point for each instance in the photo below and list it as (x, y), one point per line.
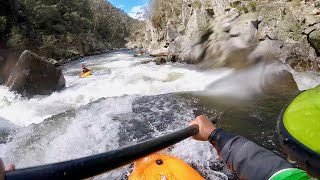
(246, 158)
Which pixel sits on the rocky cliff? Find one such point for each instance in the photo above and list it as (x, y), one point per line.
(218, 33)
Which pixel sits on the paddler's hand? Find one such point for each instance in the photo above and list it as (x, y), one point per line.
(205, 127)
(3, 169)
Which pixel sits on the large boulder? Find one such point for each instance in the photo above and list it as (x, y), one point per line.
(34, 76)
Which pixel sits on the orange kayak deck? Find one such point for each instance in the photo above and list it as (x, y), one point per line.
(162, 166)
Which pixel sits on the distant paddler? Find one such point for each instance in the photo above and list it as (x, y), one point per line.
(140, 53)
(85, 71)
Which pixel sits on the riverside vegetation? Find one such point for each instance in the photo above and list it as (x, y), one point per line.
(62, 29)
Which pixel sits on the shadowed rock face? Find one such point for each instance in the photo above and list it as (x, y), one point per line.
(1, 65)
(7, 61)
(32, 75)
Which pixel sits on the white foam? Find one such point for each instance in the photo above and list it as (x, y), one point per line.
(199, 153)
(306, 80)
(90, 132)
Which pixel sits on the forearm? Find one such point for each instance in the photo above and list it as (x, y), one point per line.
(246, 158)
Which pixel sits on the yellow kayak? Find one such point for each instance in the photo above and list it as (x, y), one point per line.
(137, 55)
(83, 75)
(162, 166)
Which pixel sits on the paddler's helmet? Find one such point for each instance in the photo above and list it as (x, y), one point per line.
(82, 65)
(299, 131)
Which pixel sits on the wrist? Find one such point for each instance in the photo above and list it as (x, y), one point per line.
(208, 131)
(213, 134)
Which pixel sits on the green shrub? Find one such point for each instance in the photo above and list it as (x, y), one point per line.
(252, 6)
(17, 39)
(197, 4)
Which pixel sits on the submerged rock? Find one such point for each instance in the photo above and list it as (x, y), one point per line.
(34, 76)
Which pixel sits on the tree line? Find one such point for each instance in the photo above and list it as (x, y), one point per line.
(59, 28)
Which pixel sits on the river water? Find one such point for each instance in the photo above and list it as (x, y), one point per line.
(126, 101)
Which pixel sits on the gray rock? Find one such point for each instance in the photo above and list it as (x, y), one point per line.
(316, 11)
(181, 29)
(159, 52)
(161, 60)
(310, 20)
(244, 27)
(226, 27)
(179, 45)
(33, 76)
(234, 31)
(52, 61)
(173, 58)
(266, 50)
(171, 33)
(314, 39)
(308, 30)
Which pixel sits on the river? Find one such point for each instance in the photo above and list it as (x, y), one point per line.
(126, 101)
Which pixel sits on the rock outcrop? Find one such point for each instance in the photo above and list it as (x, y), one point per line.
(232, 33)
(34, 75)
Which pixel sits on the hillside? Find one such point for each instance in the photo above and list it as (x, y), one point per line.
(62, 29)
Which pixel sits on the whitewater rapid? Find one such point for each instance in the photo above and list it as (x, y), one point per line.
(39, 137)
(115, 74)
(123, 102)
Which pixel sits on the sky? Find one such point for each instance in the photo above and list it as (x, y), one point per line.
(131, 7)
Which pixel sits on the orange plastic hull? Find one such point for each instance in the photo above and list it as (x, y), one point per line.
(162, 166)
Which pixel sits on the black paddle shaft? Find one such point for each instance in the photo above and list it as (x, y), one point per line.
(101, 163)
